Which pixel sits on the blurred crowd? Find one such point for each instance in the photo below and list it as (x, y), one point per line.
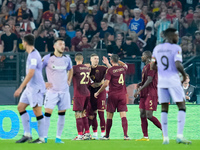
(123, 27)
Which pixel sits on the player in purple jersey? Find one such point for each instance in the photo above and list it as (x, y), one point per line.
(33, 93)
(81, 78)
(115, 78)
(57, 66)
(168, 57)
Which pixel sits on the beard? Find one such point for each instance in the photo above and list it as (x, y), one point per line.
(60, 52)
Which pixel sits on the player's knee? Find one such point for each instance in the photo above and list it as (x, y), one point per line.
(20, 109)
(182, 109)
(181, 106)
(142, 115)
(164, 110)
(61, 113)
(78, 114)
(110, 115)
(149, 116)
(22, 112)
(47, 114)
(37, 112)
(91, 117)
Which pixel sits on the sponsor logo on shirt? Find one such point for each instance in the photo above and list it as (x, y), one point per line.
(59, 67)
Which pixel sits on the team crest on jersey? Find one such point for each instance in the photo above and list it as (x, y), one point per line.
(92, 77)
(97, 71)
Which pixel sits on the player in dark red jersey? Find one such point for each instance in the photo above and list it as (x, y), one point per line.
(148, 96)
(81, 77)
(97, 75)
(115, 78)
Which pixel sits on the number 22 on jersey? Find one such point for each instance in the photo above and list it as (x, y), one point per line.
(121, 79)
(85, 75)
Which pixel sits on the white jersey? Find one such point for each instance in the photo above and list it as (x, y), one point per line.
(166, 55)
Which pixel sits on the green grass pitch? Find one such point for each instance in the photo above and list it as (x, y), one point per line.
(191, 132)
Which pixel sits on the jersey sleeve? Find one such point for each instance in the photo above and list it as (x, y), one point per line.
(104, 69)
(74, 70)
(69, 63)
(45, 60)
(108, 75)
(153, 59)
(151, 72)
(40, 5)
(178, 54)
(33, 62)
(125, 67)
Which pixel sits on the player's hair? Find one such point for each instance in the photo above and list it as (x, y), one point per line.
(78, 30)
(148, 54)
(58, 39)
(29, 39)
(93, 54)
(150, 14)
(6, 24)
(23, 1)
(114, 58)
(187, 75)
(168, 32)
(79, 56)
(84, 36)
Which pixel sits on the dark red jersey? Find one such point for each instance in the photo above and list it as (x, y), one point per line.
(151, 89)
(116, 76)
(81, 78)
(97, 75)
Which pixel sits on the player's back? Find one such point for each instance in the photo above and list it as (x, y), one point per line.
(166, 55)
(81, 77)
(34, 61)
(116, 75)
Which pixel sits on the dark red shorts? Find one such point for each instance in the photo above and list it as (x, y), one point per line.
(80, 103)
(116, 102)
(149, 103)
(98, 103)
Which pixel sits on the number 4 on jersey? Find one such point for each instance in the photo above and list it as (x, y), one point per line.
(121, 79)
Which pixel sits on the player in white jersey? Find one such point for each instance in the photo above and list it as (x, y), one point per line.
(168, 57)
(33, 93)
(57, 66)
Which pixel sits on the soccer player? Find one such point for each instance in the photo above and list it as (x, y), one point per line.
(81, 78)
(57, 66)
(115, 78)
(148, 96)
(33, 93)
(168, 57)
(97, 75)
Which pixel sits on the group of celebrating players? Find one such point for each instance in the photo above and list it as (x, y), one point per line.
(89, 83)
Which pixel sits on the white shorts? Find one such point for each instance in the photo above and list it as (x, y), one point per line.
(176, 93)
(32, 98)
(52, 99)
